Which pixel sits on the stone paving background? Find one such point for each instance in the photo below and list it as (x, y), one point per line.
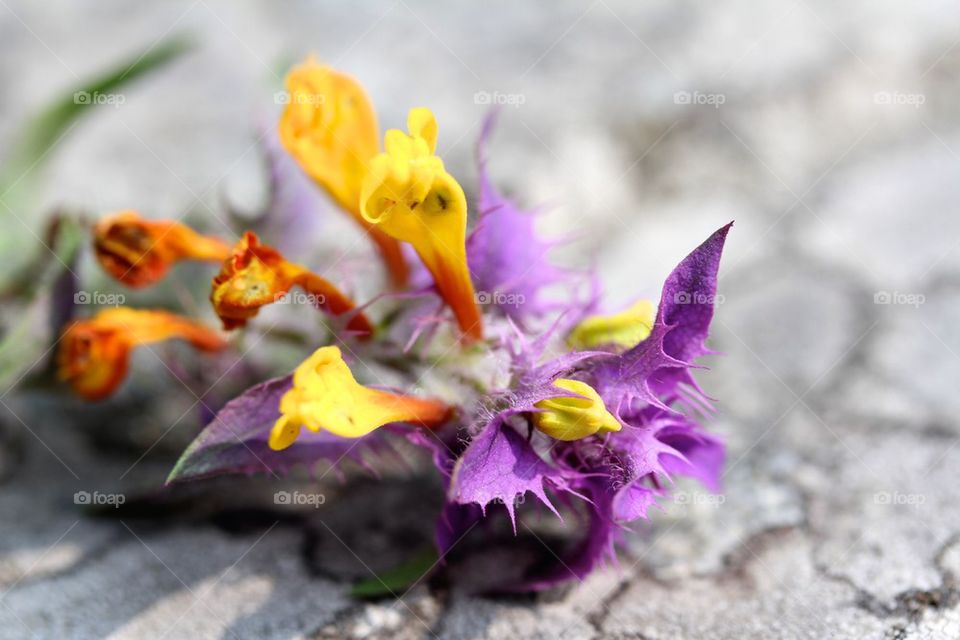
(835, 147)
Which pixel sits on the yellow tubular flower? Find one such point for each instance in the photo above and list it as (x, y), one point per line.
(410, 196)
(325, 396)
(574, 417)
(330, 127)
(625, 330)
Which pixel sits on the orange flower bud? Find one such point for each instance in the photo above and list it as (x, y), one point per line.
(94, 354)
(257, 275)
(139, 252)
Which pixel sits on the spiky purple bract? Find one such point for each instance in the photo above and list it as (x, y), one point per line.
(507, 258)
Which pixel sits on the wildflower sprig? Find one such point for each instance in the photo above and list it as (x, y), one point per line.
(590, 412)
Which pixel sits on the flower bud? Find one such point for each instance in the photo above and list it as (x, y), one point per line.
(623, 330)
(576, 416)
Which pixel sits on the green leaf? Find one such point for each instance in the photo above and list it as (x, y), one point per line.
(396, 581)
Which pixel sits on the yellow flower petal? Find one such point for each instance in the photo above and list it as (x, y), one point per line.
(330, 127)
(283, 434)
(574, 417)
(422, 124)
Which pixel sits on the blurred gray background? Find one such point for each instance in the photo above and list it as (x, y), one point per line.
(828, 131)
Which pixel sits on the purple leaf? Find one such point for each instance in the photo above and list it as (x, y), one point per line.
(686, 304)
(633, 501)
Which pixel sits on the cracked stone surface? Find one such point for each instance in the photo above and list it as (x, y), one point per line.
(835, 148)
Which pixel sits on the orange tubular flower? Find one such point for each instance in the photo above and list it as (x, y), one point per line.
(409, 195)
(330, 127)
(94, 354)
(257, 275)
(139, 252)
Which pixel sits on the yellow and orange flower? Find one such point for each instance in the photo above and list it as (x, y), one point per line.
(256, 275)
(330, 127)
(94, 354)
(409, 195)
(326, 397)
(139, 252)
